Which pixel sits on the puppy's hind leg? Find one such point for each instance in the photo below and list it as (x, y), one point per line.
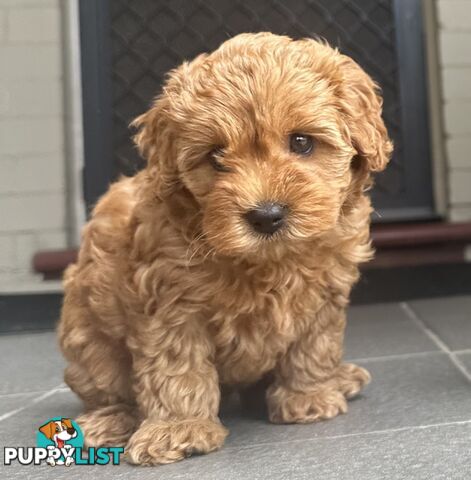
(110, 426)
(107, 421)
(93, 392)
(99, 365)
(99, 372)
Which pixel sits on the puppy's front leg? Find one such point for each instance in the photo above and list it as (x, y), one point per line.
(311, 383)
(177, 392)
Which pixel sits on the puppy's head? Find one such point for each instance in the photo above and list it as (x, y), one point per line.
(272, 138)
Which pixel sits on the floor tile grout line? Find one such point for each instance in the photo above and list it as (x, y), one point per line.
(463, 351)
(460, 366)
(45, 395)
(33, 392)
(412, 314)
(397, 356)
(356, 434)
(436, 339)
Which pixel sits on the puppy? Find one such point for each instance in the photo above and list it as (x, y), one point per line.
(231, 256)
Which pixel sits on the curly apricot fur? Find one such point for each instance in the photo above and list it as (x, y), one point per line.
(173, 295)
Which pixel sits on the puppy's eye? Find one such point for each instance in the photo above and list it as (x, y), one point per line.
(215, 156)
(57, 429)
(301, 144)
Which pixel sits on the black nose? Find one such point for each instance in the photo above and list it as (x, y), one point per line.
(267, 217)
(71, 431)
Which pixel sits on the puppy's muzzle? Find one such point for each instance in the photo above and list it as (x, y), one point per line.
(267, 217)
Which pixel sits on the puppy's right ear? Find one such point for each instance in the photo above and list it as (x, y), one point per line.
(48, 429)
(151, 129)
(157, 129)
(157, 132)
(155, 142)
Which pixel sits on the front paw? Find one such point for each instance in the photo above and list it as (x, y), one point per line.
(159, 442)
(351, 379)
(287, 406)
(325, 400)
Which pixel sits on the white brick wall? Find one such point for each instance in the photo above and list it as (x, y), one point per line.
(35, 97)
(457, 117)
(459, 148)
(32, 25)
(3, 26)
(454, 17)
(32, 178)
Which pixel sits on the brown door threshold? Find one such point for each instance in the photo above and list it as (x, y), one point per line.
(436, 254)
(413, 244)
(52, 263)
(413, 234)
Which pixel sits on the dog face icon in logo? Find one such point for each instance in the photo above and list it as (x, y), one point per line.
(60, 432)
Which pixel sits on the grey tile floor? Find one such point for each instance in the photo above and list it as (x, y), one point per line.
(412, 422)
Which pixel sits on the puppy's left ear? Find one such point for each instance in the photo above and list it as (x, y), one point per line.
(362, 107)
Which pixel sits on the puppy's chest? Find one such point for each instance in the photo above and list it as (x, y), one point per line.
(252, 328)
(248, 345)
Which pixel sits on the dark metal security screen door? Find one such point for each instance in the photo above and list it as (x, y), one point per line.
(127, 46)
